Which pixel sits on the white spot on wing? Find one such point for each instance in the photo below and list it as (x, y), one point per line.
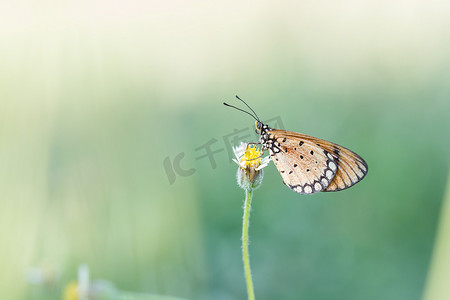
(329, 174)
(308, 189)
(324, 182)
(317, 186)
(332, 166)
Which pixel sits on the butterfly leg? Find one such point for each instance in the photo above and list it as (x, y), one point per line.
(256, 157)
(258, 143)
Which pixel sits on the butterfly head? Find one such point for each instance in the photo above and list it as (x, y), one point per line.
(258, 126)
(261, 128)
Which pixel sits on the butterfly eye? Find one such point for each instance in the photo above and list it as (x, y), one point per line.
(258, 126)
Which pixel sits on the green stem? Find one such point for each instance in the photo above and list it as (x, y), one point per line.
(245, 256)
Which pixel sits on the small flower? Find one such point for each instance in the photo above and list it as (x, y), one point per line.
(250, 173)
(85, 289)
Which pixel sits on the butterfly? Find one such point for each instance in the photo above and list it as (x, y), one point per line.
(307, 164)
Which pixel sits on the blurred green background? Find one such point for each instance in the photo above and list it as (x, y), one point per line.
(95, 97)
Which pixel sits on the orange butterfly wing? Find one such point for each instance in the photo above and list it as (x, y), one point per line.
(305, 167)
(330, 168)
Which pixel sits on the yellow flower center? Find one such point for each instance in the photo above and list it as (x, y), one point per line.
(252, 157)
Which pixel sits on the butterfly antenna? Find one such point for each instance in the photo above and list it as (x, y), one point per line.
(226, 104)
(257, 118)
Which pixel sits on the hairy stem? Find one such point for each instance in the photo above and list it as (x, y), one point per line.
(245, 256)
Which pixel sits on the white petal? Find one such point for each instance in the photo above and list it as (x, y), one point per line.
(265, 160)
(264, 163)
(240, 150)
(240, 163)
